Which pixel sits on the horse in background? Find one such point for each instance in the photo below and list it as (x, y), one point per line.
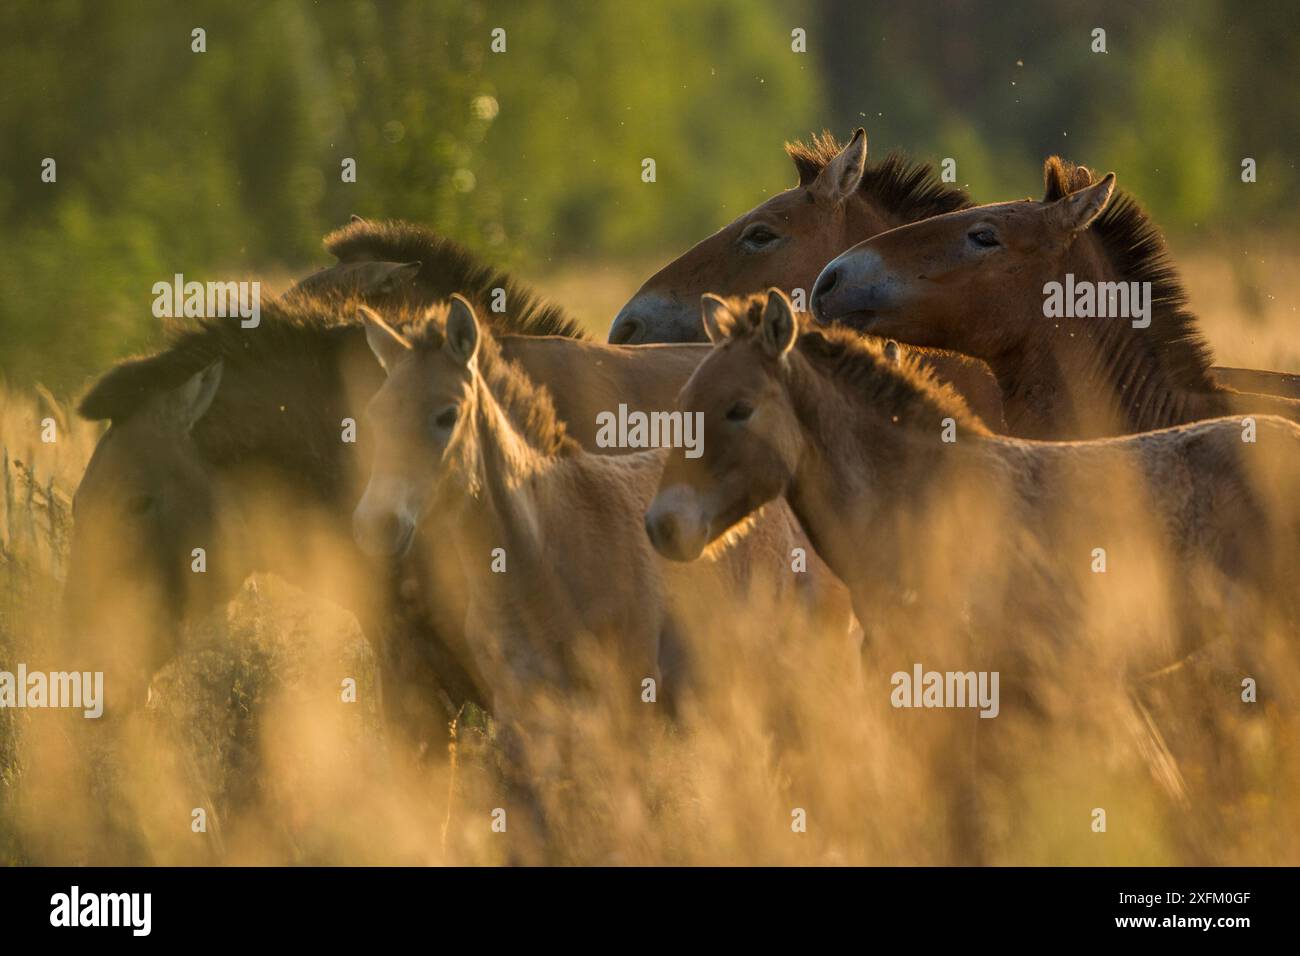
(978, 281)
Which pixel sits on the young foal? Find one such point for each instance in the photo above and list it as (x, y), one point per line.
(977, 555)
(856, 443)
(550, 537)
(987, 281)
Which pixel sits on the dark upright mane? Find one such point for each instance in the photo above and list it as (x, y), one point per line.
(446, 267)
(307, 324)
(282, 396)
(297, 330)
(901, 187)
(1137, 252)
(526, 403)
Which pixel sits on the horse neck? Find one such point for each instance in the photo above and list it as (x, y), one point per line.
(1088, 378)
(274, 438)
(859, 477)
(500, 475)
(284, 418)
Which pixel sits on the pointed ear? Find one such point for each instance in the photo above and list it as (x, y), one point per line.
(191, 400)
(1077, 211)
(462, 330)
(779, 325)
(356, 219)
(893, 355)
(840, 178)
(388, 346)
(715, 312)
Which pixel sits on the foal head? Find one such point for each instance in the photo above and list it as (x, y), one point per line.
(970, 280)
(752, 440)
(415, 419)
(451, 414)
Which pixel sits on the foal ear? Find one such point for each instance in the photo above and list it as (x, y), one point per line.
(388, 346)
(192, 399)
(779, 325)
(1077, 211)
(843, 173)
(714, 311)
(462, 330)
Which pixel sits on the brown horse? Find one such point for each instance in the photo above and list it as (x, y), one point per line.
(585, 378)
(1072, 301)
(233, 441)
(854, 440)
(549, 536)
(224, 417)
(787, 239)
(840, 200)
(978, 552)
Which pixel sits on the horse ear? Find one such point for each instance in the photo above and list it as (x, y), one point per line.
(388, 346)
(1075, 212)
(714, 311)
(842, 174)
(779, 325)
(192, 399)
(462, 330)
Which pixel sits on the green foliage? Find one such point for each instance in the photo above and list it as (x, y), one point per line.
(226, 164)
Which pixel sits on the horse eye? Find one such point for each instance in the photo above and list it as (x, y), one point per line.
(740, 412)
(139, 504)
(446, 418)
(983, 237)
(758, 235)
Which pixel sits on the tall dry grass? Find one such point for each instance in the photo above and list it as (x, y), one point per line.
(250, 726)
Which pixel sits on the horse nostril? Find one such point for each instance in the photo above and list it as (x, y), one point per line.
(390, 529)
(826, 283)
(384, 534)
(626, 330)
(662, 530)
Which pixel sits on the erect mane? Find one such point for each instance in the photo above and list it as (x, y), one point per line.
(308, 324)
(528, 404)
(1138, 253)
(446, 267)
(902, 188)
(903, 388)
(288, 330)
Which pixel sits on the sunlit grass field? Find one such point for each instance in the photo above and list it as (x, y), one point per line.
(248, 726)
